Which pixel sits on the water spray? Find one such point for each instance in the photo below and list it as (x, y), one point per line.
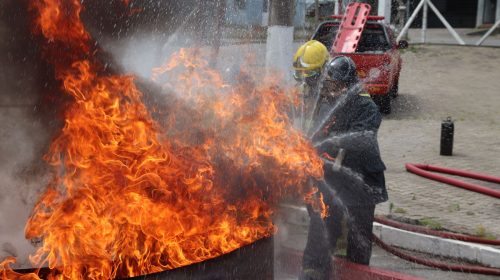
(339, 103)
(317, 97)
(339, 138)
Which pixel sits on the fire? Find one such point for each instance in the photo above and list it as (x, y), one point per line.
(133, 195)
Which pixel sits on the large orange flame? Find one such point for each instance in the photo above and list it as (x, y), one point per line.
(131, 195)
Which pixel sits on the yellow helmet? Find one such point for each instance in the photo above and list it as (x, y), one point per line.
(309, 59)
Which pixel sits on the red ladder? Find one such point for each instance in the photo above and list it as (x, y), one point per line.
(351, 27)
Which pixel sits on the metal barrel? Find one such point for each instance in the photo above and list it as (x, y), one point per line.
(447, 130)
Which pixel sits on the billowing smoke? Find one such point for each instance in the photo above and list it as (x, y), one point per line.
(24, 131)
(22, 177)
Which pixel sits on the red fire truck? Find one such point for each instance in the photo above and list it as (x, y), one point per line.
(372, 45)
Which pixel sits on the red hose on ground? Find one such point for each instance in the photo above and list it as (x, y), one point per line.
(421, 170)
(458, 172)
(435, 264)
(443, 234)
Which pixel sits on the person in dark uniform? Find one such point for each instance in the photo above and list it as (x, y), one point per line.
(346, 126)
(308, 63)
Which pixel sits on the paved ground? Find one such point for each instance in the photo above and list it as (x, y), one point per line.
(437, 82)
(381, 259)
(293, 235)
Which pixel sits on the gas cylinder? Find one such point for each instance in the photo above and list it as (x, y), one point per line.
(447, 130)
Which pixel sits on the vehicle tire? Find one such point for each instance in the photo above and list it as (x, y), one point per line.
(395, 89)
(384, 103)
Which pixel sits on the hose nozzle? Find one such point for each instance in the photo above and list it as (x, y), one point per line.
(338, 160)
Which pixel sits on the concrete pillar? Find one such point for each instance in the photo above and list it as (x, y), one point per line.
(480, 13)
(281, 12)
(279, 46)
(489, 13)
(220, 19)
(384, 9)
(316, 11)
(497, 14)
(265, 13)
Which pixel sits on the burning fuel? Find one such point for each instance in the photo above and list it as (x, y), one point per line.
(131, 195)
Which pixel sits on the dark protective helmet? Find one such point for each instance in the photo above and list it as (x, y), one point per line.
(342, 69)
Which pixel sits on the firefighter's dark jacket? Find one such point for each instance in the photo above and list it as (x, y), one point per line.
(353, 127)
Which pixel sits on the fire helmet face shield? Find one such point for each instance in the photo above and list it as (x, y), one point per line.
(332, 88)
(341, 71)
(301, 75)
(340, 74)
(309, 60)
(309, 77)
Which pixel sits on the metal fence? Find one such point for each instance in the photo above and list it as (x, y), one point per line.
(424, 5)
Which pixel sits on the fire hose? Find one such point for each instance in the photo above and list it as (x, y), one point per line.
(442, 234)
(436, 264)
(423, 170)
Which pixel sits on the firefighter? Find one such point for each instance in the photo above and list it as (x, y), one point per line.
(348, 121)
(308, 64)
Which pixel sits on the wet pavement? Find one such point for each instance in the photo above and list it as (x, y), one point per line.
(384, 260)
(437, 82)
(293, 235)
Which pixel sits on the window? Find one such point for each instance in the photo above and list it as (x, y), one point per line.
(372, 39)
(326, 34)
